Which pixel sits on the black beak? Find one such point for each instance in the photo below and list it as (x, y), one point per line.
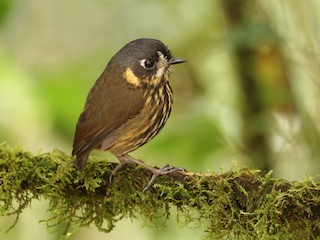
(176, 60)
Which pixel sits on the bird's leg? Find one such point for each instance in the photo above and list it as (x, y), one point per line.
(123, 162)
(155, 171)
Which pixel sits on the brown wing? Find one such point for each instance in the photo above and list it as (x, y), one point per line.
(110, 103)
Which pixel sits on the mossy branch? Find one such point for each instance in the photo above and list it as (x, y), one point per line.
(244, 204)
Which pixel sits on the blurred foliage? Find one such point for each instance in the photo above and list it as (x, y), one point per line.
(51, 52)
(5, 7)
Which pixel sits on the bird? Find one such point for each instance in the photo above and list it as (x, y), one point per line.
(128, 105)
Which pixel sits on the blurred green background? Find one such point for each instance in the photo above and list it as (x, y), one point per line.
(247, 97)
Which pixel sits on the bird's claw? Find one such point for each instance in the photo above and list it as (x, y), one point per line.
(167, 169)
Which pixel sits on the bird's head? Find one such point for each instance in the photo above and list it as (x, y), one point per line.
(145, 62)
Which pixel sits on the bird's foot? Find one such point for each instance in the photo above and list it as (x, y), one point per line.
(125, 159)
(167, 169)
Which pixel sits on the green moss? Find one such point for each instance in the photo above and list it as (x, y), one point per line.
(243, 204)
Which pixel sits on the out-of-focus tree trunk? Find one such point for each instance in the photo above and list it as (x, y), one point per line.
(262, 75)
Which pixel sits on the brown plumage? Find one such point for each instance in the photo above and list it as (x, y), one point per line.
(128, 105)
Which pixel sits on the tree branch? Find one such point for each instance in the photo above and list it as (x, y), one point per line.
(243, 204)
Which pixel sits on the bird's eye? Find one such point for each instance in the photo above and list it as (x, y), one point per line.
(147, 64)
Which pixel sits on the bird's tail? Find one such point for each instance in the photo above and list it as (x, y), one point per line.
(81, 161)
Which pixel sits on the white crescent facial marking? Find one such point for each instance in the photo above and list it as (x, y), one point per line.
(142, 62)
(160, 72)
(162, 64)
(160, 54)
